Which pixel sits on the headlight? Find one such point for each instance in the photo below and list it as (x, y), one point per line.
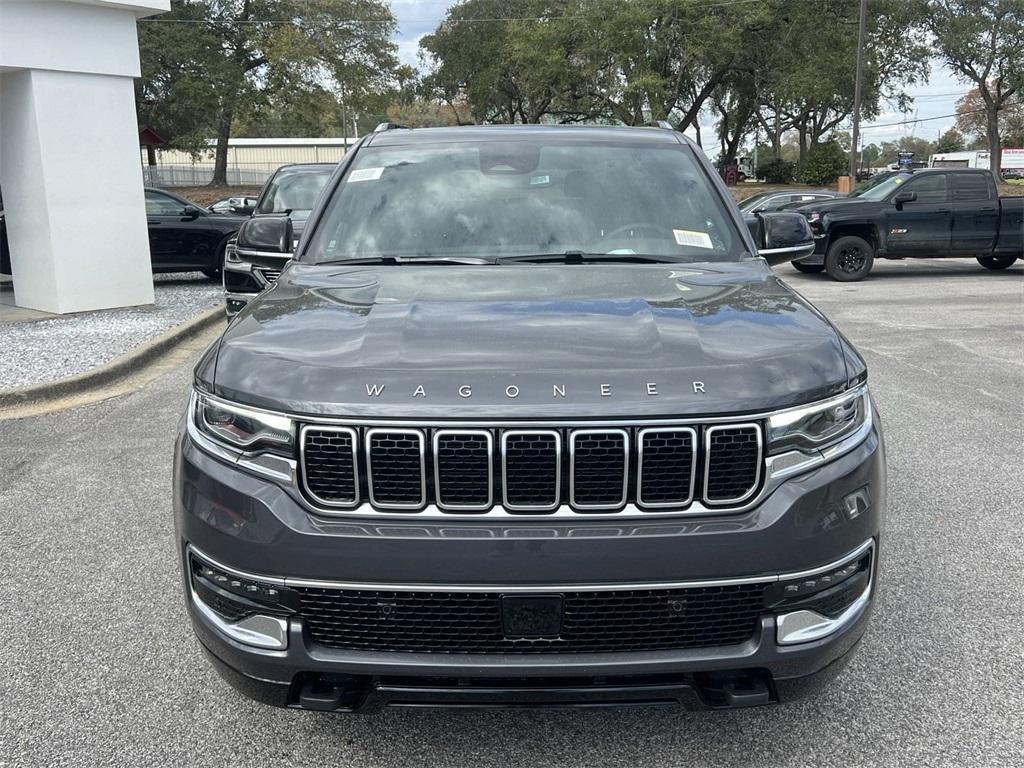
(800, 438)
(231, 253)
(242, 428)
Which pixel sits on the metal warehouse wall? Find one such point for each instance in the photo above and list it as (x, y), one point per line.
(249, 162)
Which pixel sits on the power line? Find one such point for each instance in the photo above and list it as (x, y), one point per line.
(936, 117)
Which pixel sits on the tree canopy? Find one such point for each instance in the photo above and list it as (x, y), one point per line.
(209, 64)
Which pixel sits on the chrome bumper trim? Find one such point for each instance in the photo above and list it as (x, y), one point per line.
(533, 588)
(259, 631)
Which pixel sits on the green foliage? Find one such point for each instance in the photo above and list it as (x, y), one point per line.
(980, 40)
(823, 164)
(211, 64)
(951, 141)
(776, 172)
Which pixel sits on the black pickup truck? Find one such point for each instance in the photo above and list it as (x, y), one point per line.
(930, 213)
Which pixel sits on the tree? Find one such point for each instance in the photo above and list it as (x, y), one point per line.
(478, 57)
(823, 164)
(972, 123)
(951, 141)
(210, 63)
(870, 155)
(807, 84)
(425, 113)
(980, 40)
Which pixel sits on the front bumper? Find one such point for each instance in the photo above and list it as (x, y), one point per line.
(251, 525)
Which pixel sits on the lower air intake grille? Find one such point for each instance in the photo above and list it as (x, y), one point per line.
(456, 622)
(733, 462)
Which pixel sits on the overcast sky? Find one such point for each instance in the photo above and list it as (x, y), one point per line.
(417, 18)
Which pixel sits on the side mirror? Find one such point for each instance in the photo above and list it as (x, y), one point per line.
(265, 240)
(782, 236)
(904, 197)
(191, 212)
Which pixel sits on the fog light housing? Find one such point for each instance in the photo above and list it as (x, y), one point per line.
(816, 605)
(248, 611)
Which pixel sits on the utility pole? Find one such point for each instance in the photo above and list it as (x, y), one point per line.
(858, 87)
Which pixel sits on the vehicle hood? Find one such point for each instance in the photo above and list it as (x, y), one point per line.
(840, 205)
(528, 341)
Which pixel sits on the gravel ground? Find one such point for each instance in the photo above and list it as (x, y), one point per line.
(46, 350)
(101, 669)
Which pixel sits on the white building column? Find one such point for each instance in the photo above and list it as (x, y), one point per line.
(70, 168)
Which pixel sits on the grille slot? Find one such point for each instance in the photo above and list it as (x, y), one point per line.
(531, 470)
(667, 466)
(600, 468)
(732, 467)
(395, 468)
(329, 465)
(459, 622)
(463, 474)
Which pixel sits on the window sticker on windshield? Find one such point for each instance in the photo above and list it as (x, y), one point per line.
(545, 179)
(366, 174)
(695, 239)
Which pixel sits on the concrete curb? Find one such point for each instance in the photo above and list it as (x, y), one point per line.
(122, 366)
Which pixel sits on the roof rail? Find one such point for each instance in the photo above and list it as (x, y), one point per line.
(388, 127)
(663, 124)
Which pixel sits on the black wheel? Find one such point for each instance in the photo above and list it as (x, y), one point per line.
(849, 258)
(808, 269)
(996, 262)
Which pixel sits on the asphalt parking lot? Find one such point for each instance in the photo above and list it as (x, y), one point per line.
(100, 666)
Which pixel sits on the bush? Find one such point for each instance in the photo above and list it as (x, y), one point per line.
(776, 172)
(823, 165)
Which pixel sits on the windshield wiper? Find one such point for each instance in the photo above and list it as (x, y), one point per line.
(582, 257)
(399, 260)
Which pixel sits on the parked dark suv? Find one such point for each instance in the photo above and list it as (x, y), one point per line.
(528, 421)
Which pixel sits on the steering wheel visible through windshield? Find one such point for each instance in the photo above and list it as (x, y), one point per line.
(492, 199)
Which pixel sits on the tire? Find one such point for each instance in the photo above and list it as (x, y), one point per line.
(996, 262)
(808, 269)
(214, 273)
(849, 259)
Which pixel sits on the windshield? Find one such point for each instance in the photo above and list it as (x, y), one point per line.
(515, 198)
(293, 190)
(871, 183)
(884, 189)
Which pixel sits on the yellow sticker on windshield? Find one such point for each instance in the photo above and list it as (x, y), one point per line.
(692, 238)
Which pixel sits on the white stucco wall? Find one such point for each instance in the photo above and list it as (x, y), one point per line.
(69, 167)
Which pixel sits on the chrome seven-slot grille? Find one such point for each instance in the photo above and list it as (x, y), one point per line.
(531, 471)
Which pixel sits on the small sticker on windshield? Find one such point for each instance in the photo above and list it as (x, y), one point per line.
(545, 179)
(692, 238)
(366, 174)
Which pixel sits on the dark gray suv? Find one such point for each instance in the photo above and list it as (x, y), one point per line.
(528, 420)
